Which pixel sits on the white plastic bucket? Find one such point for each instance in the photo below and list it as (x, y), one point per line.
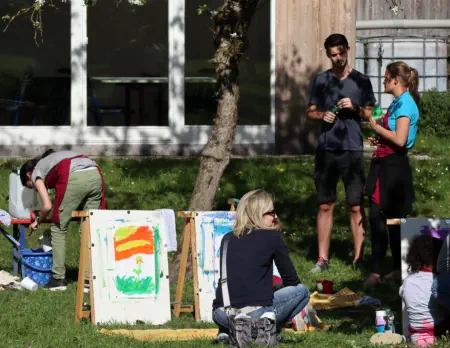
(22, 200)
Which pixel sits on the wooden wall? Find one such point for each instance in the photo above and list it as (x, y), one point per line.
(412, 9)
(301, 29)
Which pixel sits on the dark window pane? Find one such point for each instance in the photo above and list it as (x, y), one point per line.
(128, 64)
(200, 106)
(35, 80)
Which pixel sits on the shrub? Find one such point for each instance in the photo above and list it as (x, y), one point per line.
(435, 114)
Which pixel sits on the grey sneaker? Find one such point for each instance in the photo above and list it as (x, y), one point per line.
(321, 265)
(56, 285)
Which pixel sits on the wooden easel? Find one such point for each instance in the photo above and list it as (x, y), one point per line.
(189, 242)
(233, 202)
(85, 251)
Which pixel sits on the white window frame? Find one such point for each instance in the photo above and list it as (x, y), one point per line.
(177, 133)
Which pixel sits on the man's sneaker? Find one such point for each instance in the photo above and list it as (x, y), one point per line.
(222, 338)
(56, 285)
(321, 265)
(358, 265)
(87, 287)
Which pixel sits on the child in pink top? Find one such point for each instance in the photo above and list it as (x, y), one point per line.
(426, 318)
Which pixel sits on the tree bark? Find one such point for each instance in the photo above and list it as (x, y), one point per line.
(232, 21)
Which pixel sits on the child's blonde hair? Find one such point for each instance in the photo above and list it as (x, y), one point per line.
(250, 212)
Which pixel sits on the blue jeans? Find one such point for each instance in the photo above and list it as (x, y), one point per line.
(441, 290)
(287, 303)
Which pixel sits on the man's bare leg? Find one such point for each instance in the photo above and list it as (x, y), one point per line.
(324, 228)
(358, 223)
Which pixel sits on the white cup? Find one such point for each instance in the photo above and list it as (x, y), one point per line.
(380, 313)
(46, 248)
(28, 284)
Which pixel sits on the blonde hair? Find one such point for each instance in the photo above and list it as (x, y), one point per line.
(250, 212)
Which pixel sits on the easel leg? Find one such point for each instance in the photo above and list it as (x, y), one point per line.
(85, 225)
(183, 265)
(195, 273)
(85, 252)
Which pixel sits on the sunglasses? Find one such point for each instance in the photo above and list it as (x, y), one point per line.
(272, 213)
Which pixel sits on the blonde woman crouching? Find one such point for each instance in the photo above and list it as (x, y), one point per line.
(254, 245)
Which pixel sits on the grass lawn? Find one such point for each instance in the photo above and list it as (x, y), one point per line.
(45, 319)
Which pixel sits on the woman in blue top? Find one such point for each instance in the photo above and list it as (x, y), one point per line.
(389, 183)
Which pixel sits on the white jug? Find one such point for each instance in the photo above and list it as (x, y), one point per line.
(22, 200)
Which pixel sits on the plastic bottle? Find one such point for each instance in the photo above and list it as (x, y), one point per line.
(22, 200)
(335, 109)
(380, 321)
(377, 113)
(389, 321)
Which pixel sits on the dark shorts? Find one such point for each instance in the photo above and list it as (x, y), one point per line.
(330, 165)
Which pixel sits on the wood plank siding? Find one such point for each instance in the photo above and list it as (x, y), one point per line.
(301, 29)
(412, 9)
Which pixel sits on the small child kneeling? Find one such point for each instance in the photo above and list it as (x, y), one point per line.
(427, 319)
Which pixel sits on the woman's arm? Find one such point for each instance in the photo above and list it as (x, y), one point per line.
(284, 263)
(45, 198)
(398, 137)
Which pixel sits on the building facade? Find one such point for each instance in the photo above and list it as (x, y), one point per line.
(138, 81)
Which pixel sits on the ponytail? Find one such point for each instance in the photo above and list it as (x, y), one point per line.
(408, 76)
(29, 165)
(413, 84)
(46, 153)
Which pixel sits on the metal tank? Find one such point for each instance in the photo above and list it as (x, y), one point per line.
(359, 56)
(427, 55)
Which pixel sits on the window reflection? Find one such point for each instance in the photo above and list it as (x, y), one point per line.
(200, 106)
(128, 64)
(35, 80)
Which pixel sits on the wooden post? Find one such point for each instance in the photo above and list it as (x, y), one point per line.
(195, 270)
(85, 255)
(393, 222)
(189, 242)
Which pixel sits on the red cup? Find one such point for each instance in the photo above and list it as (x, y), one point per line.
(325, 286)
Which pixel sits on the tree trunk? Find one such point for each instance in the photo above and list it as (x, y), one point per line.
(232, 21)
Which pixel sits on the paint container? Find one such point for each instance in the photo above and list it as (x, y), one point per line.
(28, 284)
(46, 248)
(22, 200)
(380, 320)
(45, 241)
(380, 328)
(325, 286)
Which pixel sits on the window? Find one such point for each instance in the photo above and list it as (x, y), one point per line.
(35, 80)
(127, 64)
(255, 102)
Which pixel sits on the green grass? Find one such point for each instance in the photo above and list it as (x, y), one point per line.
(432, 145)
(45, 319)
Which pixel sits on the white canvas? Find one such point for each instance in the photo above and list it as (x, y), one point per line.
(210, 228)
(411, 228)
(129, 267)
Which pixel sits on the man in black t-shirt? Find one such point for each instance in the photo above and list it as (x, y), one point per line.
(340, 149)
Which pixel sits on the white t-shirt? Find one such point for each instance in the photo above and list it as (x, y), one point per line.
(45, 165)
(423, 311)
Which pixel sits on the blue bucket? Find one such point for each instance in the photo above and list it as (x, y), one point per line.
(37, 265)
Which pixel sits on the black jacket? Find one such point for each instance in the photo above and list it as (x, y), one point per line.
(250, 268)
(396, 186)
